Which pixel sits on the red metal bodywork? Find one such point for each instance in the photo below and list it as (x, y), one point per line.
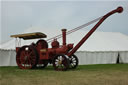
(48, 54)
(65, 49)
(119, 10)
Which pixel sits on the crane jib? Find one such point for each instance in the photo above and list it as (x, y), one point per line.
(118, 10)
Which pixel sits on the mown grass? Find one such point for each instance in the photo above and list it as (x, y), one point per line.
(109, 74)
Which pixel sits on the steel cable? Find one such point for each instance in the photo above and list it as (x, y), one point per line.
(73, 30)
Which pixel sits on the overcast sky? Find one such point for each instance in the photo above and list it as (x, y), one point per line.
(17, 16)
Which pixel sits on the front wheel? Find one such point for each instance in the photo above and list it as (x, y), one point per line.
(73, 61)
(60, 63)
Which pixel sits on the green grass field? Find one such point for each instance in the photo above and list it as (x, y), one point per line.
(109, 74)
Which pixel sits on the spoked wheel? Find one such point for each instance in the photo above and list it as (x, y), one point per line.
(27, 57)
(42, 64)
(73, 61)
(60, 63)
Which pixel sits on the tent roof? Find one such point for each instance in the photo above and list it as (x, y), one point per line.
(98, 41)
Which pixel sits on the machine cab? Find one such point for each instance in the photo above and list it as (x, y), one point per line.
(28, 36)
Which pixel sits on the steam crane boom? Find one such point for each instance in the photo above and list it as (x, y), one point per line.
(118, 10)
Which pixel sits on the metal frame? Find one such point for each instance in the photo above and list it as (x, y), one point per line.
(62, 57)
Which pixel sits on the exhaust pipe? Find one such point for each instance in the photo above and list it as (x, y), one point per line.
(64, 36)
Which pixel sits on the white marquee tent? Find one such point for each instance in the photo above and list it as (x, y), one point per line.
(100, 48)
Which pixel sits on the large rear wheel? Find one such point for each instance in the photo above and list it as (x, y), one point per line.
(27, 57)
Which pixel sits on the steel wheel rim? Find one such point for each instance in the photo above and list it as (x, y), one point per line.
(73, 62)
(26, 58)
(61, 63)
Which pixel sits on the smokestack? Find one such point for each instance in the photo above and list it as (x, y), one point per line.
(64, 36)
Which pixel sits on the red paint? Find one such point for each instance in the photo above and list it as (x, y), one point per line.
(64, 36)
(119, 10)
(39, 53)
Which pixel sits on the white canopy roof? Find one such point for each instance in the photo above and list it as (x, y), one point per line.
(99, 41)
